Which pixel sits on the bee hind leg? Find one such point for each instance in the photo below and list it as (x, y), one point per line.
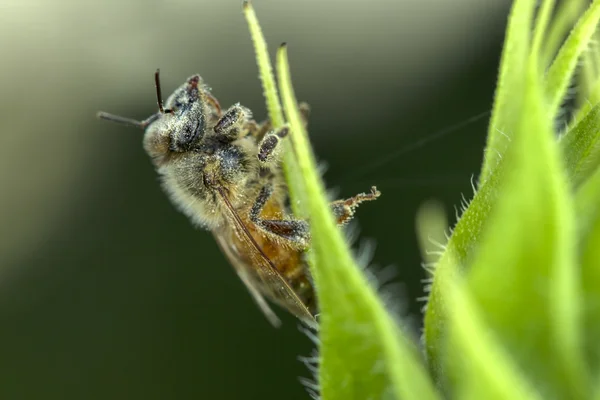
(294, 231)
(343, 210)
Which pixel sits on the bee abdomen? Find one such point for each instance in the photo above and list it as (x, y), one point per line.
(299, 279)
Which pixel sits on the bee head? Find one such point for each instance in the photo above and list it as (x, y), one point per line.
(178, 126)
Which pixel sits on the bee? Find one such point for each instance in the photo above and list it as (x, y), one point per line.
(223, 170)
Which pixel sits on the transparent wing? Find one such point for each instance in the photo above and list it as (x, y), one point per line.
(242, 271)
(260, 275)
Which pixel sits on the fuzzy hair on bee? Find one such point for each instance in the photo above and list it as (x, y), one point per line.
(223, 170)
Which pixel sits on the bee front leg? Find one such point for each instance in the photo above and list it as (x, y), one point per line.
(232, 121)
(268, 149)
(343, 210)
(296, 232)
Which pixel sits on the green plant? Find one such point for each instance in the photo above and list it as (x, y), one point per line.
(514, 307)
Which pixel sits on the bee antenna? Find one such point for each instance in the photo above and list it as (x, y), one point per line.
(134, 122)
(128, 121)
(159, 99)
(158, 91)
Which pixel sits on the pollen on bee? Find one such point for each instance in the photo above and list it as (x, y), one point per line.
(223, 170)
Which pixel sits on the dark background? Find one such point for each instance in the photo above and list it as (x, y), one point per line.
(106, 292)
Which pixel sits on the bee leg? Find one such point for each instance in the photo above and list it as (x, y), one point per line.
(251, 128)
(343, 210)
(260, 130)
(230, 124)
(296, 232)
(304, 112)
(214, 103)
(269, 145)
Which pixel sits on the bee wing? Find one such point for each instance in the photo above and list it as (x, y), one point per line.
(241, 269)
(272, 281)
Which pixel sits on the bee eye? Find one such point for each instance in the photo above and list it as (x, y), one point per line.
(189, 127)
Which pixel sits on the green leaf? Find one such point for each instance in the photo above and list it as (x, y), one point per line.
(586, 204)
(588, 213)
(562, 69)
(510, 80)
(585, 80)
(581, 147)
(364, 353)
(566, 15)
(513, 57)
(264, 66)
(543, 194)
(459, 249)
(542, 21)
(588, 94)
(290, 165)
(533, 305)
(485, 370)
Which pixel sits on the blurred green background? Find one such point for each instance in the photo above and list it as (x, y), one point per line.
(106, 292)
